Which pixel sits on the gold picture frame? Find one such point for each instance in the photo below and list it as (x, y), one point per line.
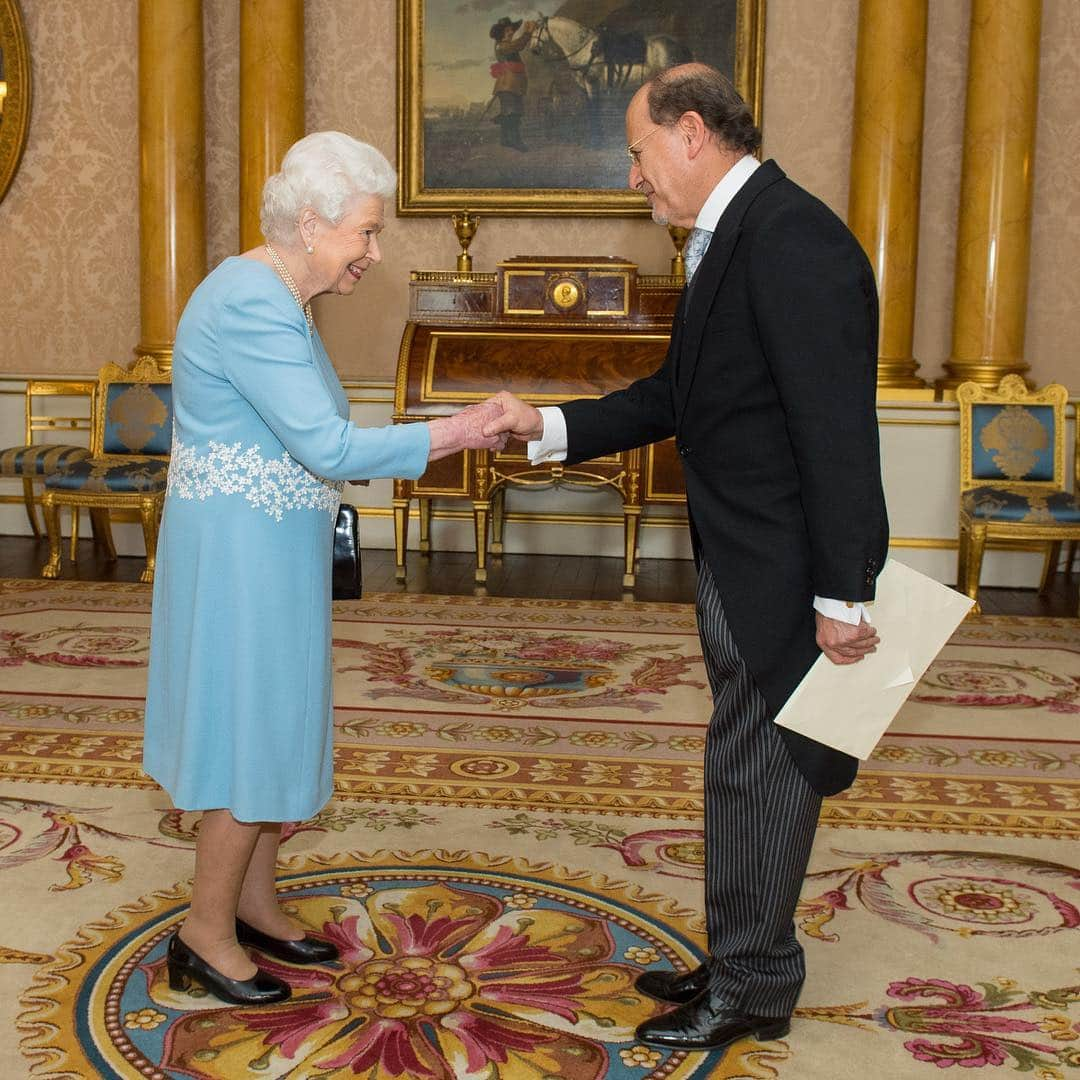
(569, 155)
(14, 91)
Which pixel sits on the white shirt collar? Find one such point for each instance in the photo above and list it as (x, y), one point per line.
(725, 191)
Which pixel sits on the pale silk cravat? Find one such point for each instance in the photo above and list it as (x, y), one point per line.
(697, 243)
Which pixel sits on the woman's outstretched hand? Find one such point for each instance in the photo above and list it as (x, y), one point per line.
(465, 431)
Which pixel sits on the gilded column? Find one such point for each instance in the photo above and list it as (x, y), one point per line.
(886, 168)
(172, 185)
(994, 235)
(271, 98)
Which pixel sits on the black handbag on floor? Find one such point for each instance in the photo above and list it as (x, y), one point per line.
(347, 571)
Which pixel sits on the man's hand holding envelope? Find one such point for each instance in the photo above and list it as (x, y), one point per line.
(847, 704)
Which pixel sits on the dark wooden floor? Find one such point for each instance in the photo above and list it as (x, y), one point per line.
(564, 577)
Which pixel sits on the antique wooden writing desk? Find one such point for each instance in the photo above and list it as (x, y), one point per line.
(546, 329)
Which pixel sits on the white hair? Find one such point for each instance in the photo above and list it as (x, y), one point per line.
(327, 171)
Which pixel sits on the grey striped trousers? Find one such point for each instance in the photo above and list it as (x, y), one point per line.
(760, 817)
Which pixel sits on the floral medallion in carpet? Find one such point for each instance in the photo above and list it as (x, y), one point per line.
(443, 973)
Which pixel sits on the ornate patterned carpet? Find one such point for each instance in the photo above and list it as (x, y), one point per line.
(516, 835)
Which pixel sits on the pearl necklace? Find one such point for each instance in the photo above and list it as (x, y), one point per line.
(283, 273)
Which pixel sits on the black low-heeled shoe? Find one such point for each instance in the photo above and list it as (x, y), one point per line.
(186, 966)
(308, 950)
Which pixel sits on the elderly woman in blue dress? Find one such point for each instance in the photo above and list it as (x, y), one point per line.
(239, 714)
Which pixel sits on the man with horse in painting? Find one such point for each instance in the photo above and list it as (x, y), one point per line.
(511, 82)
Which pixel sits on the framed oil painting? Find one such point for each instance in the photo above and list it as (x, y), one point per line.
(508, 109)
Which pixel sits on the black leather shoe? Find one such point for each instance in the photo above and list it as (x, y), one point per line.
(674, 986)
(307, 950)
(707, 1024)
(186, 966)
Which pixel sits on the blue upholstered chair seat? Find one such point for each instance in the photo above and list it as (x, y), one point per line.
(115, 475)
(39, 460)
(1033, 508)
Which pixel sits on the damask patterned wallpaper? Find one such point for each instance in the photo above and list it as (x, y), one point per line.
(1053, 327)
(69, 226)
(221, 37)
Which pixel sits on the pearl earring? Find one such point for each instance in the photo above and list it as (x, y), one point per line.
(310, 250)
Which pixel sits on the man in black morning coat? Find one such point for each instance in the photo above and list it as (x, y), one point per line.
(769, 389)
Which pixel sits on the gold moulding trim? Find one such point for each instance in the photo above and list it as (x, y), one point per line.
(161, 356)
(985, 374)
(918, 423)
(532, 519)
(444, 276)
(660, 281)
(915, 391)
(569, 268)
(899, 372)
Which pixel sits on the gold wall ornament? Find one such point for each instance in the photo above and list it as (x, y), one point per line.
(14, 91)
(465, 226)
(679, 236)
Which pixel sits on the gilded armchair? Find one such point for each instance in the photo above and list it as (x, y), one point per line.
(128, 465)
(35, 460)
(1012, 472)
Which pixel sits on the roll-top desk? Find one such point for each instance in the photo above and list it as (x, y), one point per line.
(546, 329)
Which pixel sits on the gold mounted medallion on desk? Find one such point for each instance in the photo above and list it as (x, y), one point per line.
(566, 293)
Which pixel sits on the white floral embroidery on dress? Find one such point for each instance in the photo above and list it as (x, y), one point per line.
(271, 484)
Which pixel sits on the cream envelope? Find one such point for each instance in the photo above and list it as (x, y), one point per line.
(849, 706)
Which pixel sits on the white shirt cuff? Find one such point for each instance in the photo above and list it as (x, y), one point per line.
(551, 446)
(841, 611)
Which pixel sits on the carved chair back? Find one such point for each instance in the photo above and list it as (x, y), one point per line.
(134, 411)
(1012, 437)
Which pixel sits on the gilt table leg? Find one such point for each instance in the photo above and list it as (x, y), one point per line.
(425, 524)
(631, 521)
(498, 519)
(401, 526)
(631, 493)
(481, 514)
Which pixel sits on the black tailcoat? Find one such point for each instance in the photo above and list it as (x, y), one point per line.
(769, 389)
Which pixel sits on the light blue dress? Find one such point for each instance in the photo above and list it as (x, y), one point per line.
(238, 709)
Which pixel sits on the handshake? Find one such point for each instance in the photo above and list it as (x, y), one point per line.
(485, 426)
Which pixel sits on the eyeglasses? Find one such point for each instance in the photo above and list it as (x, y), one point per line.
(632, 151)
